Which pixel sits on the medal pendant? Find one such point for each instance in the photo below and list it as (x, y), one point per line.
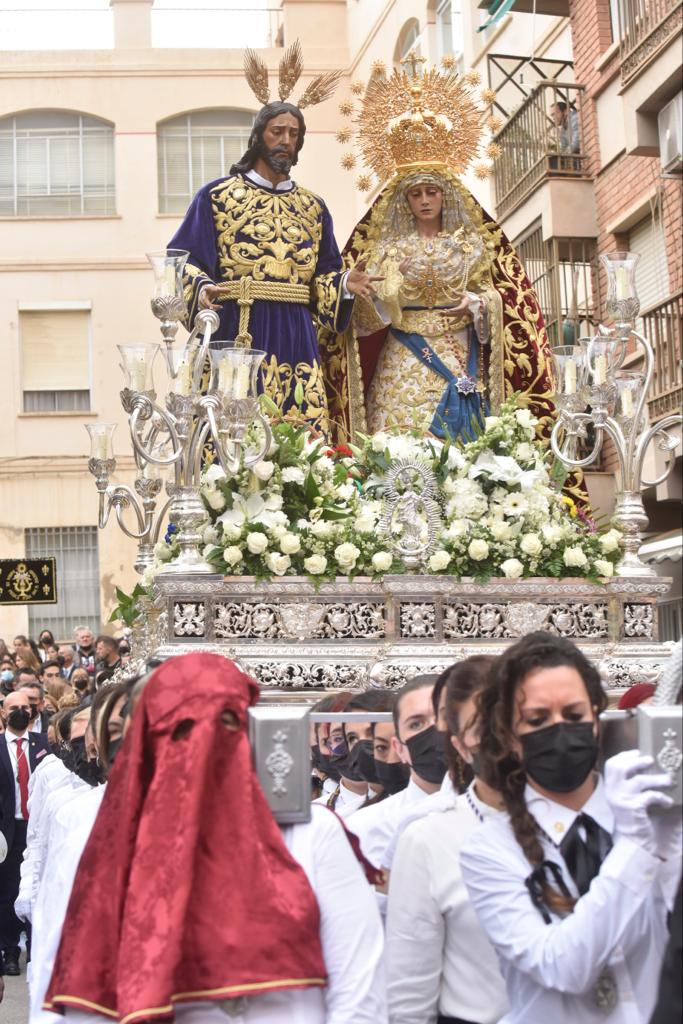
(605, 992)
(233, 1007)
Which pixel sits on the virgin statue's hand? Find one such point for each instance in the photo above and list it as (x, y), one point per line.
(207, 295)
(462, 308)
(360, 283)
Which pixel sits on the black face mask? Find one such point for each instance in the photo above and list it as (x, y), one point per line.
(427, 755)
(347, 765)
(362, 759)
(18, 719)
(315, 757)
(393, 777)
(329, 767)
(88, 771)
(560, 757)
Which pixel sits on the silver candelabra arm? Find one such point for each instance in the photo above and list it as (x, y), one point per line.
(141, 407)
(667, 443)
(208, 321)
(572, 425)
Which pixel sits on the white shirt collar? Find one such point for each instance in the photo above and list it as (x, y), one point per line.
(13, 738)
(556, 820)
(258, 179)
(484, 810)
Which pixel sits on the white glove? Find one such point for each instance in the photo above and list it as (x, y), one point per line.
(631, 791)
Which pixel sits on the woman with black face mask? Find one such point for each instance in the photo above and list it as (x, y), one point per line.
(571, 884)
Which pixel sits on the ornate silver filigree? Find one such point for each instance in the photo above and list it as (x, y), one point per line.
(669, 757)
(300, 621)
(525, 617)
(189, 619)
(279, 763)
(305, 620)
(418, 620)
(639, 620)
(410, 516)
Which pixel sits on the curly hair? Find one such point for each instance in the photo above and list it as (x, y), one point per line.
(463, 680)
(497, 735)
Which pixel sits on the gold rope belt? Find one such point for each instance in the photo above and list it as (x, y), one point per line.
(247, 290)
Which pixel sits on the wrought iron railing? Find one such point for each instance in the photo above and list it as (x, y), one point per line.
(663, 325)
(645, 26)
(534, 146)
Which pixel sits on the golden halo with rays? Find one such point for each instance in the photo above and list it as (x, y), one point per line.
(430, 118)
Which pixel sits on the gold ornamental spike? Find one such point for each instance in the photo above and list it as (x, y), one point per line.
(291, 67)
(256, 74)
(320, 89)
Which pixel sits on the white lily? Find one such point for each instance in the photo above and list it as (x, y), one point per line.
(250, 510)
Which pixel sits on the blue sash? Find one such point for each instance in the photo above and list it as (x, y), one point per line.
(459, 402)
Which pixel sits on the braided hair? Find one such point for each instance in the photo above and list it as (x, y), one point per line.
(497, 714)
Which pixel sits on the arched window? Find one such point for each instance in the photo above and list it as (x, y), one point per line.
(407, 41)
(197, 148)
(56, 163)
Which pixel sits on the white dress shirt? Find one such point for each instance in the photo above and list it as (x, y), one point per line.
(351, 937)
(551, 970)
(442, 800)
(438, 958)
(377, 824)
(346, 803)
(11, 739)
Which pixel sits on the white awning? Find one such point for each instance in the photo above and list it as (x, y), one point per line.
(665, 548)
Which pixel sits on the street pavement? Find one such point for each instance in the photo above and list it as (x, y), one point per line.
(14, 1007)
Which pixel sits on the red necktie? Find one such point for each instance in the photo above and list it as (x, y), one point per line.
(22, 775)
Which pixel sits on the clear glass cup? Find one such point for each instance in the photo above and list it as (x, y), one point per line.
(137, 362)
(101, 440)
(622, 304)
(569, 365)
(168, 266)
(234, 370)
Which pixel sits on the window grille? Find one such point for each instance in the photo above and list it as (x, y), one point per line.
(195, 149)
(78, 579)
(56, 163)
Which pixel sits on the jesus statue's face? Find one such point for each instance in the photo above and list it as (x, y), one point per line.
(280, 138)
(425, 201)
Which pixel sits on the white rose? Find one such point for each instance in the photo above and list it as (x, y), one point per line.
(439, 560)
(257, 543)
(512, 568)
(500, 530)
(292, 475)
(450, 485)
(478, 550)
(346, 555)
(210, 534)
(322, 529)
(458, 528)
(531, 544)
(148, 575)
(232, 555)
(455, 459)
(575, 557)
(214, 472)
(345, 492)
(382, 561)
(215, 499)
(289, 544)
(524, 418)
(315, 564)
(610, 541)
(279, 564)
(162, 551)
(524, 451)
(263, 470)
(491, 422)
(379, 442)
(365, 524)
(273, 503)
(231, 532)
(552, 533)
(604, 567)
(279, 530)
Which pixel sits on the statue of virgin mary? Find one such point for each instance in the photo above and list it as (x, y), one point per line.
(454, 326)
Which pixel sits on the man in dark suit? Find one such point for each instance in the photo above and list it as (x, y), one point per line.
(21, 751)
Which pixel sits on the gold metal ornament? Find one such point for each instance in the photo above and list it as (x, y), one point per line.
(488, 96)
(346, 108)
(290, 70)
(473, 77)
(378, 67)
(291, 67)
(493, 150)
(357, 88)
(495, 123)
(364, 183)
(343, 136)
(348, 161)
(482, 171)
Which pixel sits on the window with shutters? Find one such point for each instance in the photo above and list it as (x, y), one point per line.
(195, 149)
(55, 359)
(652, 272)
(449, 30)
(56, 163)
(74, 549)
(408, 42)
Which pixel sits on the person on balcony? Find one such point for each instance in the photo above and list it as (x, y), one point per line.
(566, 121)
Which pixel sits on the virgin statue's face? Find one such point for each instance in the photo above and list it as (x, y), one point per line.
(425, 201)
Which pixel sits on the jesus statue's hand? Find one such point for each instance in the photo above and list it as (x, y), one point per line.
(360, 283)
(206, 296)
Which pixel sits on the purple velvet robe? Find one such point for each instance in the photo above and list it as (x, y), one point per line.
(236, 228)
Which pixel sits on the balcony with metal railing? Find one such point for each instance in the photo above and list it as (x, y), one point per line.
(542, 139)
(645, 28)
(663, 326)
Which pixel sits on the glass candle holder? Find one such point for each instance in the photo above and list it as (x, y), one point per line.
(603, 355)
(622, 304)
(569, 364)
(137, 362)
(629, 389)
(234, 369)
(168, 266)
(101, 440)
(181, 364)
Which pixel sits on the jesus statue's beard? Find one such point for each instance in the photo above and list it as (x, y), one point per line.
(278, 159)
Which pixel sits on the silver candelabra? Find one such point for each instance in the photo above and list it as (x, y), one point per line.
(589, 375)
(176, 438)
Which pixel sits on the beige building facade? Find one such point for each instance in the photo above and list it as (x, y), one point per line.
(100, 152)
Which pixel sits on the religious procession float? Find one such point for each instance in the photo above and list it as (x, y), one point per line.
(381, 471)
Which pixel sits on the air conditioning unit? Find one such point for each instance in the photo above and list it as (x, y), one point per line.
(670, 124)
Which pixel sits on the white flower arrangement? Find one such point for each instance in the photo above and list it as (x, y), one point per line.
(314, 510)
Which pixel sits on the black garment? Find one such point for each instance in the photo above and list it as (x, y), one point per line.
(451, 1020)
(583, 857)
(669, 1008)
(11, 926)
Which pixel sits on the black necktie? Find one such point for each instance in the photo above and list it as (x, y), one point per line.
(583, 857)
